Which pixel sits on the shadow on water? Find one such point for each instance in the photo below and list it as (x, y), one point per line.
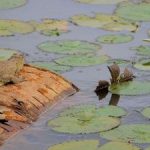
(114, 99)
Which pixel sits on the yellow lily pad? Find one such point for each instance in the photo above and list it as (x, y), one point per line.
(12, 27)
(106, 22)
(50, 27)
(6, 4)
(100, 1)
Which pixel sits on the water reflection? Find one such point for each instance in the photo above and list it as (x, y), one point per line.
(114, 99)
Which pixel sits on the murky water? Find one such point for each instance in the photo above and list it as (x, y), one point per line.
(38, 136)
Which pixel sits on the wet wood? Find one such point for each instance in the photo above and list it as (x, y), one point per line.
(21, 103)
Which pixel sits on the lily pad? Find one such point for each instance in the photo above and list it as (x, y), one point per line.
(106, 22)
(118, 61)
(143, 64)
(100, 1)
(74, 145)
(88, 111)
(74, 125)
(118, 146)
(50, 27)
(136, 133)
(134, 12)
(115, 39)
(82, 60)
(142, 50)
(6, 4)
(69, 47)
(131, 88)
(146, 112)
(12, 27)
(6, 53)
(52, 66)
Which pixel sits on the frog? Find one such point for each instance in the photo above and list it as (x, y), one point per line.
(10, 68)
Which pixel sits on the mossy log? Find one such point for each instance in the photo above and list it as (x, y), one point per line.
(21, 103)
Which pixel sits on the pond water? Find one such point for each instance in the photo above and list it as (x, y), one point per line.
(38, 136)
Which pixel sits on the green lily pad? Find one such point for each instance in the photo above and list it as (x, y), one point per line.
(131, 88)
(69, 47)
(82, 60)
(74, 145)
(115, 39)
(52, 66)
(88, 111)
(118, 61)
(6, 53)
(136, 133)
(148, 32)
(50, 27)
(143, 64)
(134, 12)
(142, 50)
(146, 112)
(118, 146)
(6, 4)
(51, 32)
(92, 145)
(100, 1)
(12, 27)
(105, 21)
(76, 125)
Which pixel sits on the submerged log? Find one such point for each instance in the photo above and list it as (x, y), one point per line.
(21, 103)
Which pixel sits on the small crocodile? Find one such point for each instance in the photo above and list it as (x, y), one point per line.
(10, 68)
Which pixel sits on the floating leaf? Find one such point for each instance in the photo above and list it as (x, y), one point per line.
(118, 61)
(51, 32)
(82, 60)
(130, 88)
(5, 4)
(6, 53)
(115, 39)
(146, 112)
(136, 133)
(74, 145)
(118, 146)
(143, 64)
(142, 50)
(12, 27)
(106, 22)
(100, 1)
(146, 40)
(91, 124)
(134, 12)
(92, 110)
(69, 47)
(51, 66)
(50, 27)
